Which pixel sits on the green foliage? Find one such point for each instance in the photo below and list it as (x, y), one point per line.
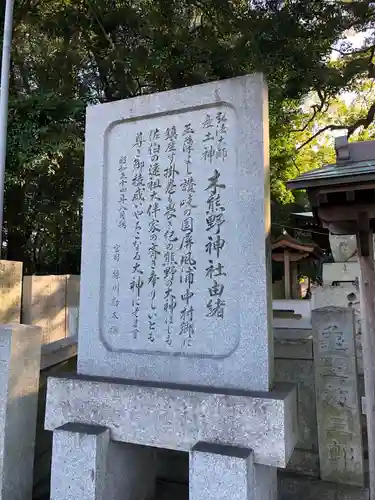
(70, 53)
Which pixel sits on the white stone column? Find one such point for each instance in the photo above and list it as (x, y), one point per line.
(224, 472)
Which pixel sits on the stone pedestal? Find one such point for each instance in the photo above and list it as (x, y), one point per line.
(175, 286)
(167, 416)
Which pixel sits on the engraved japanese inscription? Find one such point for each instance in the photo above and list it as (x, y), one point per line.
(339, 428)
(169, 251)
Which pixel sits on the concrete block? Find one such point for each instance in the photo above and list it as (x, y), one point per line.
(168, 244)
(19, 385)
(221, 472)
(177, 417)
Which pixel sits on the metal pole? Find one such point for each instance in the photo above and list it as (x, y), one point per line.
(5, 68)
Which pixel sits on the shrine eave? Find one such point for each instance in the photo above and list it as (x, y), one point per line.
(286, 242)
(337, 174)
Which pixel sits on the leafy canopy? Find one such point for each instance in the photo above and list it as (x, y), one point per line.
(70, 53)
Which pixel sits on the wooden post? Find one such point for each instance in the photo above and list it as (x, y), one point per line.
(295, 287)
(367, 296)
(287, 279)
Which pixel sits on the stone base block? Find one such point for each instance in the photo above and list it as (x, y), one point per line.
(177, 417)
(19, 385)
(222, 472)
(87, 465)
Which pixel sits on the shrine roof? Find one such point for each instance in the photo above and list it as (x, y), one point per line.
(285, 241)
(351, 172)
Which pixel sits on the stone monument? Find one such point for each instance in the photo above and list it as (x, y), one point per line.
(175, 326)
(337, 397)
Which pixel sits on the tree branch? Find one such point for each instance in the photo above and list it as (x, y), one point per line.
(320, 131)
(361, 122)
(354, 52)
(317, 109)
(310, 120)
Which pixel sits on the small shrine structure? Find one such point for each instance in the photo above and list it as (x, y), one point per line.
(292, 252)
(342, 198)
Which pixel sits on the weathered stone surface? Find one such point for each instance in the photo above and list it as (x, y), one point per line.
(177, 417)
(342, 295)
(220, 472)
(171, 179)
(87, 465)
(337, 398)
(10, 291)
(293, 349)
(301, 373)
(19, 383)
(297, 488)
